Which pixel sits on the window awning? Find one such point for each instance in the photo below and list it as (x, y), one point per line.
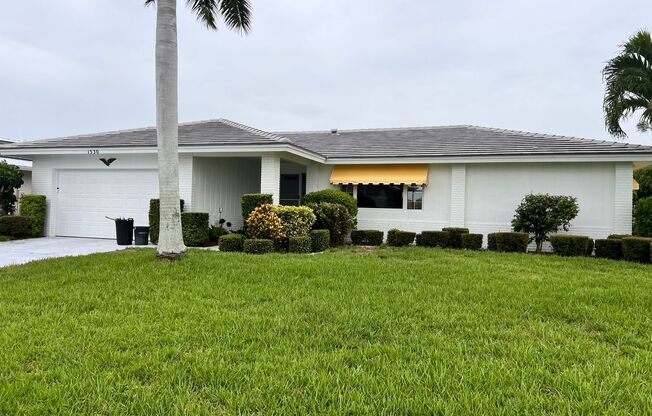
(380, 174)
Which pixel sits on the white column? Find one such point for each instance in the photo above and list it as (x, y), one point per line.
(458, 195)
(270, 176)
(623, 186)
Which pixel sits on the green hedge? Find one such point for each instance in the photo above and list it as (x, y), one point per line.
(320, 240)
(250, 202)
(508, 242)
(231, 242)
(15, 226)
(215, 232)
(455, 236)
(258, 246)
(34, 208)
(367, 237)
(300, 244)
(155, 218)
(402, 238)
(618, 236)
(609, 249)
(472, 241)
(335, 218)
(334, 197)
(195, 228)
(296, 220)
(433, 239)
(636, 249)
(391, 236)
(570, 245)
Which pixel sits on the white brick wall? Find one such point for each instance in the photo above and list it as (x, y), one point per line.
(458, 195)
(623, 173)
(270, 175)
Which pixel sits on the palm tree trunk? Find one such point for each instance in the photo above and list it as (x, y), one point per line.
(170, 244)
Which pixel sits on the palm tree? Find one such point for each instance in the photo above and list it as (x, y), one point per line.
(236, 15)
(629, 85)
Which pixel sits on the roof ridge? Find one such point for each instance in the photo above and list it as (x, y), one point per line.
(451, 126)
(556, 136)
(256, 131)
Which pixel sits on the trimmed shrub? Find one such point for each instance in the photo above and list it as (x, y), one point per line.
(609, 249)
(403, 238)
(509, 242)
(258, 246)
(15, 226)
(367, 237)
(231, 242)
(300, 244)
(155, 218)
(263, 223)
(320, 240)
(195, 228)
(472, 241)
(334, 197)
(455, 236)
(215, 232)
(433, 239)
(250, 202)
(634, 249)
(34, 208)
(335, 218)
(619, 236)
(643, 217)
(391, 236)
(296, 220)
(491, 242)
(570, 245)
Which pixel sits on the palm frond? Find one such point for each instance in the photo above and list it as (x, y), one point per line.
(628, 78)
(236, 14)
(205, 11)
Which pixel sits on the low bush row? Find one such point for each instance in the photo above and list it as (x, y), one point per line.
(316, 241)
(460, 238)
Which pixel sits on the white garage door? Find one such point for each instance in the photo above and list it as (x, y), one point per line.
(86, 197)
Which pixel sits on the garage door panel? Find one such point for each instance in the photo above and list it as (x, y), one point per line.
(86, 197)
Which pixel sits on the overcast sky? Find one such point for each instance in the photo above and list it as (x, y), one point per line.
(81, 66)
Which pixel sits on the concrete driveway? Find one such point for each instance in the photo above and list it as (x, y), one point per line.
(23, 251)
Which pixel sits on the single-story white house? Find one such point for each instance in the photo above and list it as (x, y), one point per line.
(25, 166)
(415, 179)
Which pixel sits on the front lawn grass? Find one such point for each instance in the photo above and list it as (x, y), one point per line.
(387, 331)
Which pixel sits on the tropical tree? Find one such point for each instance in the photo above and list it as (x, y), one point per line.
(542, 214)
(629, 85)
(11, 178)
(236, 15)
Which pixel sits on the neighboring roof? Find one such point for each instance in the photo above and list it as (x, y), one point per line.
(419, 142)
(449, 141)
(4, 141)
(206, 133)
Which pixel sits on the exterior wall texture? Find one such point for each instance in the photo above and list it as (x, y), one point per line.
(220, 183)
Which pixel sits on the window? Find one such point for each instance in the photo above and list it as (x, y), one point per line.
(380, 196)
(348, 188)
(290, 189)
(414, 197)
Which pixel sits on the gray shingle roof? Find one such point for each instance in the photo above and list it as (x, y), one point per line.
(206, 133)
(4, 141)
(449, 141)
(465, 141)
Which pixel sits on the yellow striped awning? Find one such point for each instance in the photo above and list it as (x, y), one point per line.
(380, 174)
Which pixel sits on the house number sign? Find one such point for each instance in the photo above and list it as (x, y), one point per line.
(93, 152)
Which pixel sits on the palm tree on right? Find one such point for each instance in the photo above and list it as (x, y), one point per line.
(629, 85)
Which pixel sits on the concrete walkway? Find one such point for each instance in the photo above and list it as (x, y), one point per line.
(23, 251)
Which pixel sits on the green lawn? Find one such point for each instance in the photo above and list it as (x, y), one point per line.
(403, 331)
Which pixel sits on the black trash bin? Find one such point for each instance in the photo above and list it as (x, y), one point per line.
(141, 235)
(124, 231)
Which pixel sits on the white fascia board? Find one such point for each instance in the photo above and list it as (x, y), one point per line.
(624, 157)
(247, 149)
